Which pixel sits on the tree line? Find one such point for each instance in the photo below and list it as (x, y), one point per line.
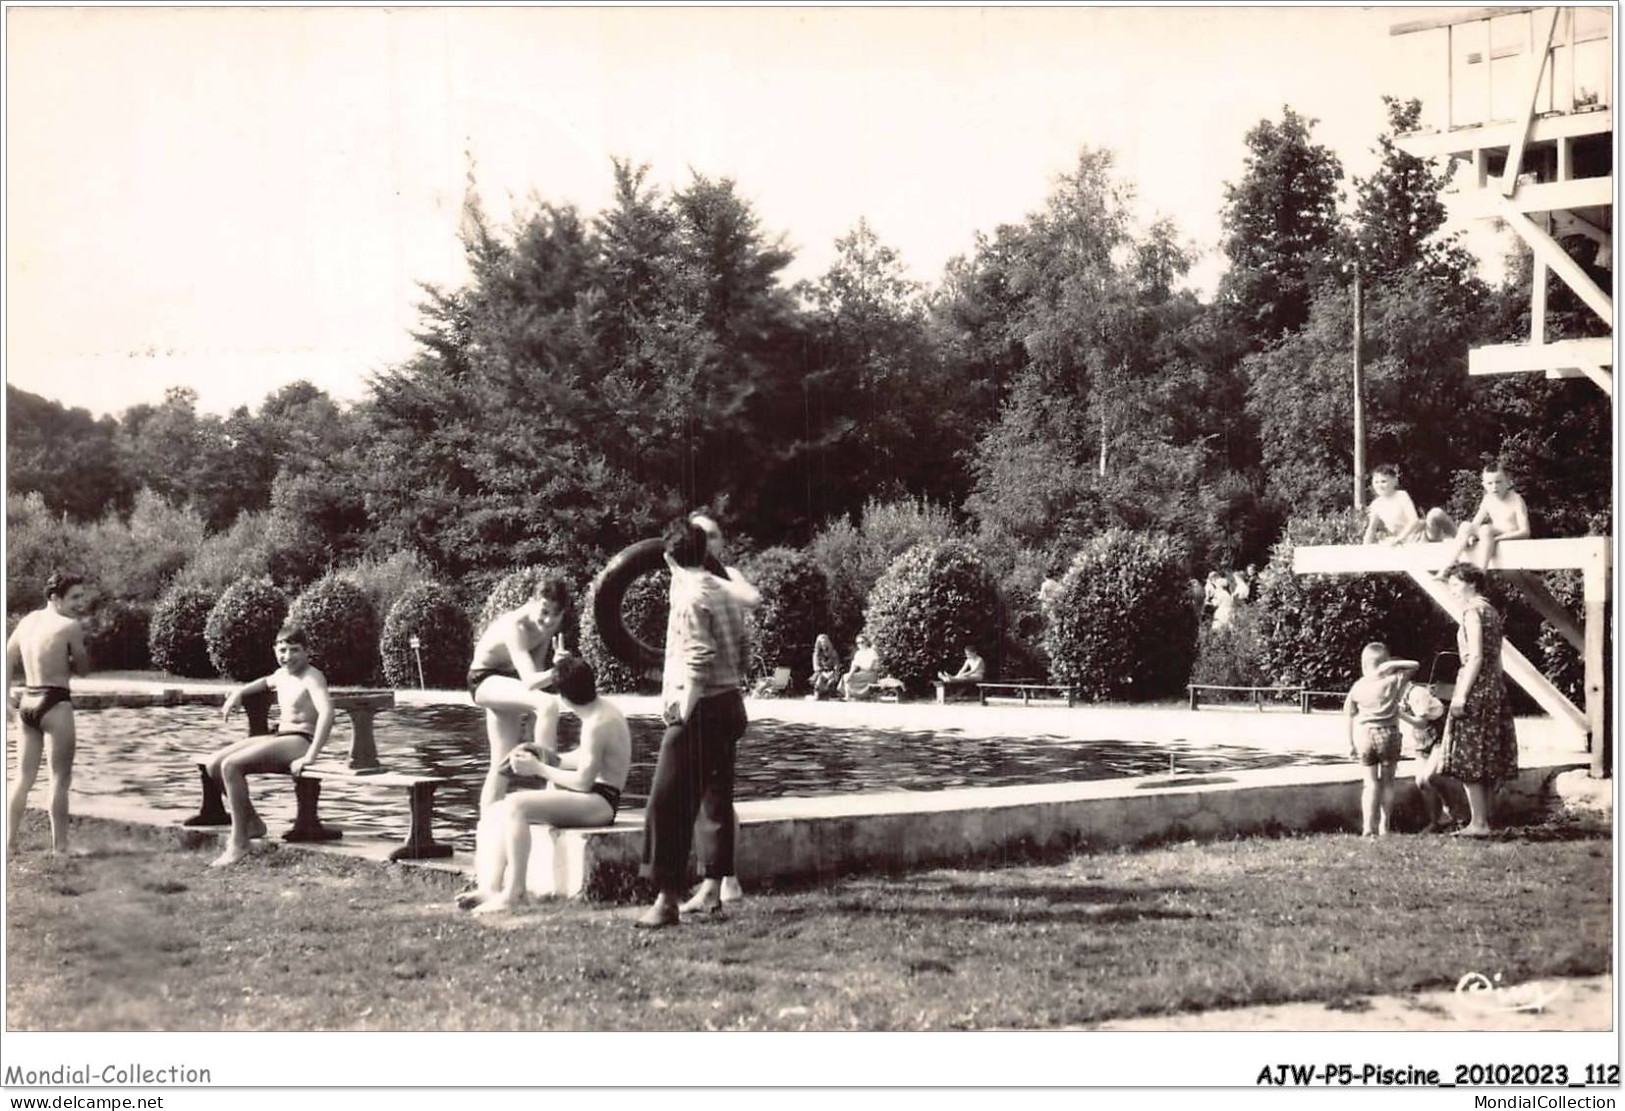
(598, 373)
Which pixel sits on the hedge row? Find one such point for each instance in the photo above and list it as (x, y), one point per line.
(1121, 625)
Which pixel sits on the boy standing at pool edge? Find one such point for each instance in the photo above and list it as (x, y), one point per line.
(304, 721)
(1372, 708)
(49, 646)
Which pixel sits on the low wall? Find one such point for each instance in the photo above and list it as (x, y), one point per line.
(792, 840)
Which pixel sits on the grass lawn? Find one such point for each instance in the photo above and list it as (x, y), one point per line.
(140, 934)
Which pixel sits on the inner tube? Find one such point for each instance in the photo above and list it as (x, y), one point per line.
(609, 593)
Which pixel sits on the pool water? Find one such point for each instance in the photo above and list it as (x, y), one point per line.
(147, 754)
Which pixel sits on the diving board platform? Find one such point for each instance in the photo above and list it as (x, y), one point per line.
(1516, 561)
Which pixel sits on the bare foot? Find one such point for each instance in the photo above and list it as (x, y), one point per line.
(731, 891)
(1473, 831)
(468, 900)
(657, 917)
(232, 855)
(498, 903)
(256, 828)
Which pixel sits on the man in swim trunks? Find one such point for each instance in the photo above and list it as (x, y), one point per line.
(305, 718)
(583, 790)
(49, 646)
(512, 665)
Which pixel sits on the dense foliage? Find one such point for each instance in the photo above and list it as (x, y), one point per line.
(854, 555)
(241, 630)
(598, 373)
(342, 626)
(1122, 626)
(430, 612)
(933, 600)
(175, 639)
(793, 611)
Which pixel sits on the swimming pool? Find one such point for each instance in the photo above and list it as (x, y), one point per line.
(147, 755)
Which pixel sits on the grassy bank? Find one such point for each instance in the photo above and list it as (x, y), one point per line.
(140, 934)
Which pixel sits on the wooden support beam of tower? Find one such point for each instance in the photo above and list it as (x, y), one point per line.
(1549, 251)
(1549, 196)
(1545, 603)
(1536, 66)
(1522, 358)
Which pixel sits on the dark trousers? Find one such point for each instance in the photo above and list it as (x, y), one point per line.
(694, 777)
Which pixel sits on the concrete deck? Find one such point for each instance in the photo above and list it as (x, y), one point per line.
(802, 839)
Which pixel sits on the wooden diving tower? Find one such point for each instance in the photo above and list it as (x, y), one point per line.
(1528, 106)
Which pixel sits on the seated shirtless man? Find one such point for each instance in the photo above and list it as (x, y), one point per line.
(49, 645)
(583, 790)
(305, 718)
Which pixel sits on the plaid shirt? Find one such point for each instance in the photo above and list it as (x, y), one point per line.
(705, 639)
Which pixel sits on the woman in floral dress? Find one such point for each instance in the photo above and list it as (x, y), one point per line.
(1481, 747)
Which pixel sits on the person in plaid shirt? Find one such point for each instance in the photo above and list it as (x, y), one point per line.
(691, 798)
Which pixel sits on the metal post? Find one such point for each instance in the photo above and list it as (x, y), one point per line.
(416, 644)
(1359, 395)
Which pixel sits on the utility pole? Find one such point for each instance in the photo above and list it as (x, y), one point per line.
(1359, 395)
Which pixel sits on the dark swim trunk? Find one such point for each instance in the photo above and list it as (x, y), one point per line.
(36, 702)
(478, 675)
(612, 795)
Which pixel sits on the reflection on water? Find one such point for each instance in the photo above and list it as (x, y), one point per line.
(148, 754)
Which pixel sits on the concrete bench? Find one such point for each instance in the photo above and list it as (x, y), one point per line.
(1028, 693)
(307, 792)
(363, 766)
(1254, 694)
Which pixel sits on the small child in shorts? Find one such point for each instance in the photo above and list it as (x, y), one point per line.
(1372, 708)
(1422, 714)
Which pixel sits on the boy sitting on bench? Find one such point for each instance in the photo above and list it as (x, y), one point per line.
(583, 790)
(305, 719)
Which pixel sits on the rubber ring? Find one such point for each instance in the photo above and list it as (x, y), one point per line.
(609, 594)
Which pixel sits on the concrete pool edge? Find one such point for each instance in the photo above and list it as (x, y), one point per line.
(801, 839)
(804, 839)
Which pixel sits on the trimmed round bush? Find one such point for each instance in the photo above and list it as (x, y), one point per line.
(1121, 627)
(933, 600)
(793, 611)
(1311, 628)
(175, 638)
(342, 626)
(645, 609)
(116, 636)
(445, 635)
(241, 630)
(518, 587)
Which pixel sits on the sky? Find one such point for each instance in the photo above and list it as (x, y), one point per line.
(231, 199)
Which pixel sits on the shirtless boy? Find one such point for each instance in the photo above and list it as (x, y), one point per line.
(49, 645)
(1391, 517)
(1502, 515)
(304, 720)
(583, 790)
(511, 668)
